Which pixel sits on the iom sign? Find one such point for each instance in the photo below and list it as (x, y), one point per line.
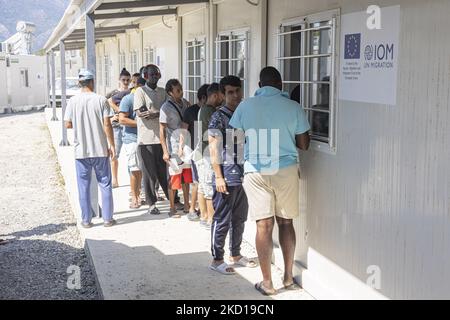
(369, 57)
(379, 56)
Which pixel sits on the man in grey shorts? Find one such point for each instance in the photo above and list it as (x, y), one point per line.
(271, 180)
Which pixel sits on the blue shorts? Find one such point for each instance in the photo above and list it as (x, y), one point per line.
(118, 136)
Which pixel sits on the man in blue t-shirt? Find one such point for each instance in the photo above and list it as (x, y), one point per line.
(275, 127)
(229, 198)
(127, 117)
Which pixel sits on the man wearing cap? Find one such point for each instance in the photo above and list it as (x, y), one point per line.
(89, 115)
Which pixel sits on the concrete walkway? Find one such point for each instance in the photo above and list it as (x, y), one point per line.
(147, 257)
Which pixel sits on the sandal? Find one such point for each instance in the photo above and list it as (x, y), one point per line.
(173, 213)
(135, 205)
(292, 286)
(245, 262)
(263, 290)
(223, 269)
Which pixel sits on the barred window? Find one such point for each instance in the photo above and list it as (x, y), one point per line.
(195, 68)
(107, 71)
(134, 61)
(122, 60)
(149, 55)
(100, 71)
(231, 57)
(307, 61)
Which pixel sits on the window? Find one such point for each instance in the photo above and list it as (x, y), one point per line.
(195, 68)
(100, 71)
(122, 60)
(307, 61)
(149, 55)
(231, 57)
(24, 78)
(134, 61)
(107, 71)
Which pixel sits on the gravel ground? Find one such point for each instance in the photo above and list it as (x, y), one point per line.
(36, 218)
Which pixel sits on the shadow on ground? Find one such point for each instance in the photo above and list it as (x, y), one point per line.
(148, 273)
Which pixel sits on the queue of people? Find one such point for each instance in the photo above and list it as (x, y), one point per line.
(206, 150)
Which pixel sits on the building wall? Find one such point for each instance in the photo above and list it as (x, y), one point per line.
(165, 41)
(73, 64)
(34, 94)
(235, 15)
(3, 88)
(382, 199)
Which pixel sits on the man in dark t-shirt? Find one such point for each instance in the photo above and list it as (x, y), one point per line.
(190, 116)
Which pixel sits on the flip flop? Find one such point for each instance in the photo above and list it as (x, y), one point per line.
(222, 269)
(264, 291)
(174, 214)
(292, 286)
(245, 262)
(135, 205)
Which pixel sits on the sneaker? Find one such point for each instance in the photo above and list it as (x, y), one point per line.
(110, 223)
(87, 225)
(154, 212)
(202, 222)
(207, 226)
(192, 216)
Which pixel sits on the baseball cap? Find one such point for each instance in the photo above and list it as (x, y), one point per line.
(85, 75)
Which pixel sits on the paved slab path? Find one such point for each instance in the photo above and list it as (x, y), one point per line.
(145, 257)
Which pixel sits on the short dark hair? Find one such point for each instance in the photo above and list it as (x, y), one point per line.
(85, 83)
(136, 75)
(213, 88)
(141, 81)
(124, 73)
(171, 84)
(230, 81)
(145, 70)
(295, 94)
(202, 92)
(270, 76)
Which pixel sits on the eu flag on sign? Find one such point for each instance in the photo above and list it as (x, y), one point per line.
(352, 46)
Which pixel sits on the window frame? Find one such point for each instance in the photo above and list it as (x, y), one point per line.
(134, 57)
(107, 70)
(122, 60)
(217, 72)
(25, 77)
(100, 71)
(195, 43)
(334, 16)
(149, 55)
